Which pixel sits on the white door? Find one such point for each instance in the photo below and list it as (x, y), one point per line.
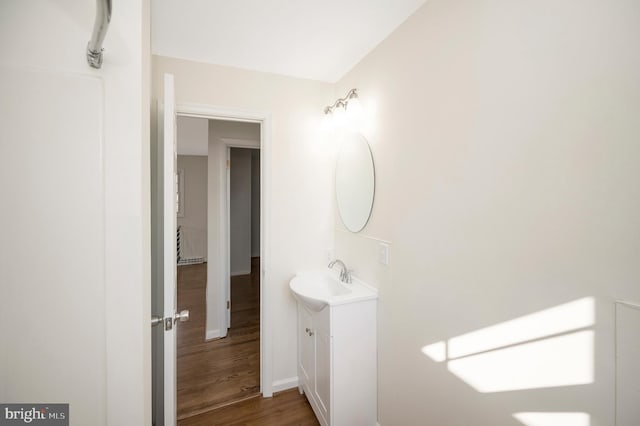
(169, 190)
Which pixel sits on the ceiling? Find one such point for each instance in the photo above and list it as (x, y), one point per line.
(319, 40)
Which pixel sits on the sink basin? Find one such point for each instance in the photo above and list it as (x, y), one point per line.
(317, 290)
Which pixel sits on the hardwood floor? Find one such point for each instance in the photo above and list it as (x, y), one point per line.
(285, 408)
(219, 380)
(215, 373)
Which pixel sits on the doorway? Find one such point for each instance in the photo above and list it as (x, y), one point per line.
(164, 353)
(218, 349)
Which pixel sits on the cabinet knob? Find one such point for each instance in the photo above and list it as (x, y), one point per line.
(309, 332)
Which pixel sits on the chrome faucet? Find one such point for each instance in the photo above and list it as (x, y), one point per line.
(345, 274)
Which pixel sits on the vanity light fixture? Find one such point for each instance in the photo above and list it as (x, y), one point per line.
(342, 102)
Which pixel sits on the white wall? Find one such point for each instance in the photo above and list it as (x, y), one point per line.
(193, 135)
(240, 211)
(301, 179)
(505, 140)
(74, 311)
(255, 202)
(194, 221)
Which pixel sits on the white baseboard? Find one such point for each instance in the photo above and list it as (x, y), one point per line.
(212, 334)
(234, 273)
(284, 384)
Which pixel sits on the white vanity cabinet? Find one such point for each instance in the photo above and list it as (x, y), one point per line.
(337, 360)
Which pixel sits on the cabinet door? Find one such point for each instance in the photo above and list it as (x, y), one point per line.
(322, 389)
(307, 347)
(323, 370)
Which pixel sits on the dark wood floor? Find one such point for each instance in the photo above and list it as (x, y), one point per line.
(213, 376)
(214, 373)
(287, 408)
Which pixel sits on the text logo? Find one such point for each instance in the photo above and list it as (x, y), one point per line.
(34, 414)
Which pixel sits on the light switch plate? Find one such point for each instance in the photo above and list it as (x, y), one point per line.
(383, 253)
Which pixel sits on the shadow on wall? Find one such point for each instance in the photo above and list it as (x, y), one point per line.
(547, 349)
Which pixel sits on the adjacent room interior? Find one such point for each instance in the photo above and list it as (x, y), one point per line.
(218, 359)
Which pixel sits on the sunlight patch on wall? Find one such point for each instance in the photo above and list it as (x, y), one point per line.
(558, 361)
(549, 348)
(559, 319)
(553, 419)
(436, 351)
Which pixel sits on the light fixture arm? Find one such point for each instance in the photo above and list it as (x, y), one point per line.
(342, 102)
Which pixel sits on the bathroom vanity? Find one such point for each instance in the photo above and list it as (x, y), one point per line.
(337, 352)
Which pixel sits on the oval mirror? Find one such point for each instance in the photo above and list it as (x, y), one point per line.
(355, 182)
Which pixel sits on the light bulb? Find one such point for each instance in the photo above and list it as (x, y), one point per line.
(339, 117)
(354, 114)
(327, 125)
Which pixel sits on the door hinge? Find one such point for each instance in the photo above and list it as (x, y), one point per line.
(228, 164)
(228, 304)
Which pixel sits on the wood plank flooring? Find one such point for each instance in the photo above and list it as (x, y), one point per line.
(219, 380)
(284, 409)
(214, 373)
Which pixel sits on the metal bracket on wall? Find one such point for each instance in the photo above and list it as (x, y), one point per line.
(94, 47)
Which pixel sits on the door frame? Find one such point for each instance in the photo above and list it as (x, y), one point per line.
(264, 119)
